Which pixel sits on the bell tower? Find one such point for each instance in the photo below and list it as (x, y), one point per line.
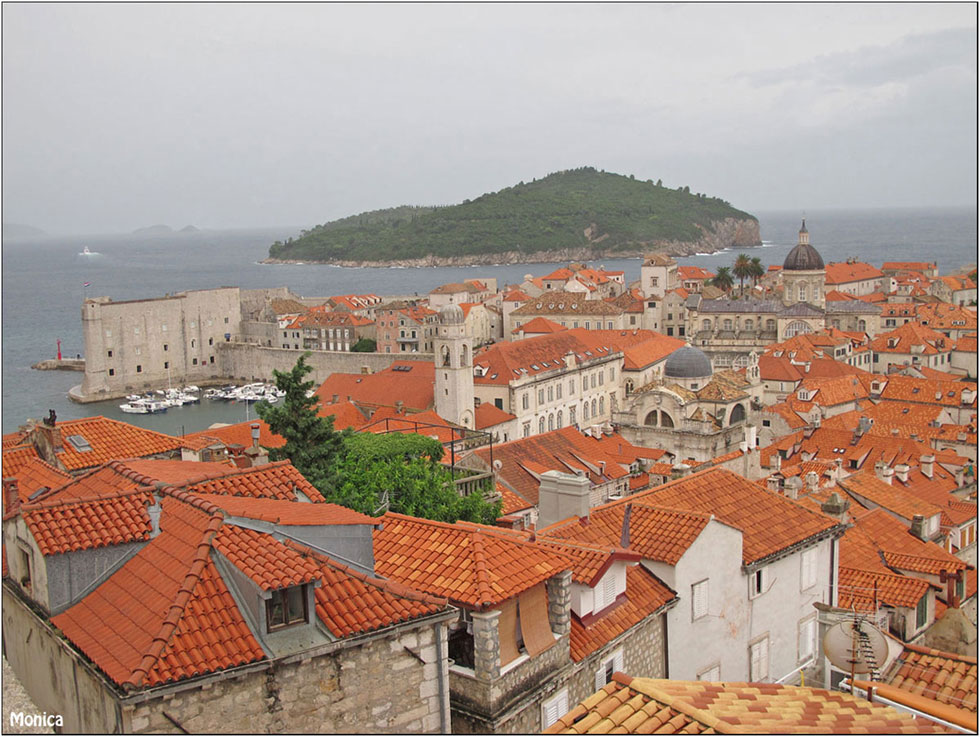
(454, 368)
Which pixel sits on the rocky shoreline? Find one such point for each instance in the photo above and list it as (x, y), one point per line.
(727, 233)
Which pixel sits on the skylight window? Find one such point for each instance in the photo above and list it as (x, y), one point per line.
(79, 443)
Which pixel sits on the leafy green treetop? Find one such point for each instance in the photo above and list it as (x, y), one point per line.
(312, 444)
(723, 279)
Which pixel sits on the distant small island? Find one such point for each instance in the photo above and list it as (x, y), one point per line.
(579, 214)
(18, 230)
(164, 230)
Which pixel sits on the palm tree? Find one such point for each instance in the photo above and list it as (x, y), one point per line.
(758, 271)
(723, 279)
(742, 269)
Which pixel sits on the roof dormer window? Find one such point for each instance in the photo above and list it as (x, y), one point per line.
(286, 607)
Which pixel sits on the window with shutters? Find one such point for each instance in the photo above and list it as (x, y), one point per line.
(922, 612)
(711, 673)
(759, 659)
(806, 638)
(758, 582)
(607, 666)
(605, 592)
(699, 599)
(554, 708)
(808, 569)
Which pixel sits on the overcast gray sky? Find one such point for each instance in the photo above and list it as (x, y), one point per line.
(118, 116)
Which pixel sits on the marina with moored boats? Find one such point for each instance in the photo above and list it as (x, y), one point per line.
(161, 400)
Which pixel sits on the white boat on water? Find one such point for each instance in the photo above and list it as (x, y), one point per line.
(136, 407)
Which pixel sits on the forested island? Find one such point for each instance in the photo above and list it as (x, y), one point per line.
(575, 214)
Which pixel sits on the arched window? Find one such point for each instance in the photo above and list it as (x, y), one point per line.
(629, 386)
(594, 408)
(798, 327)
(706, 324)
(571, 416)
(652, 419)
(445, 356)
(464, 356)
(737, 415)
(585, 411)
(551, 422)
(666, 420)
(602, 405)
(802, 292)
(540, 425)
(862, 325)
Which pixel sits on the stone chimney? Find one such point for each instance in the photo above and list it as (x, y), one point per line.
(902, 472)
(773, 483)
(926, 464)
(256, 454)
(835, 506)
(812, 481)
(561, 496)
(47, 440)
(793, 487)
(11, 497)
(918, 527)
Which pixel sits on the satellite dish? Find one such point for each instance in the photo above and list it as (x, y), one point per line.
(854, 646)
(497, 465)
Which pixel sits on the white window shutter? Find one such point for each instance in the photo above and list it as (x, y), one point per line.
(609, 586)
(600, 677)
(618, 661)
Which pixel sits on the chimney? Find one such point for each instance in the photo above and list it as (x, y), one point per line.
(835, 506)
(864, 424)
(812, 481)
(918, 527)
(887, 474)
(926, 462)
(561, 496)
(902, 472)
(772, 483)
(11, 497)
(793, 486)
(624, 535)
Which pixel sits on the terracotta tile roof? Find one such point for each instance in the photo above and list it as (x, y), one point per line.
(428, 423)
(948, 678)
(644, 705)
(61, 527)
(414, 386)
(784, 410)
(957, 282)
(16, 457)
(907, 266)
(516, 295)
(566, 450)
(941, 316)
(287, 306)
(238, 434)
(834, 295)
(473, 566)
(345, 414)
(176, 473)
(457, 287)
(588, 561)
(287, 512)
(645, 595)
(488, 415)
(13, 439)
(512, 502)
(185, 624)
(540, 325)
(908, 389)
(694, 272)
(778, 368)
(905, 338)
(844, 273)
(504, 362)
(887, 496)
(265, 560)
(110, 439)
(967, 343)
(31, 472)
(835, 391)
(901, 549)
(857, 589)
(656, 533)
(936, 374)
(642, 348)
(769, 521)
(566, 303)
(279, 480)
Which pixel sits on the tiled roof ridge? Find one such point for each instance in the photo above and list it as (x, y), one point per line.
(646, 687)
(187, 586)
(482, 577)
(923, 650)
(385, 584)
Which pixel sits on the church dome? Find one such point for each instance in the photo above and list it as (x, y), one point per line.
(803, 257)
(451, 315)
(687, 363)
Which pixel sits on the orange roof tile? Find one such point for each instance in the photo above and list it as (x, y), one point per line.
(511, 502)
(858, 589)
(287, 512)
(110, 439)
(265, 560)
(847, 272)
(589, 561)
(345, 414)
(238, 434)
(948, 678)
(414, 386)
(887, 496)
(62, 527)
(184, 625)
(488, 415)
(279, 480)
(540, 325)
(31, 472)
(471, 565)
(906, 338)
(644, 705)
(901, 549)
(646, 595)
(13, 439)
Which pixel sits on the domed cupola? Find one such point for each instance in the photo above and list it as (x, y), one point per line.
(688, 365)
(451, 315)
(803, 257)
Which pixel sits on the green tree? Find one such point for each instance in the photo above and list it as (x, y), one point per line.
(401, 472)
(757, 271)
(365, 345)
(742, 269)
(723, 279)
(312, 444)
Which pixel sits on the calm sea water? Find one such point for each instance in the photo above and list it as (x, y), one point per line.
(43, 288)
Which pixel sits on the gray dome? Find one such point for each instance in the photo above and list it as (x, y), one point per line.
(803, 257)
(451, 315)
(687, 363)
